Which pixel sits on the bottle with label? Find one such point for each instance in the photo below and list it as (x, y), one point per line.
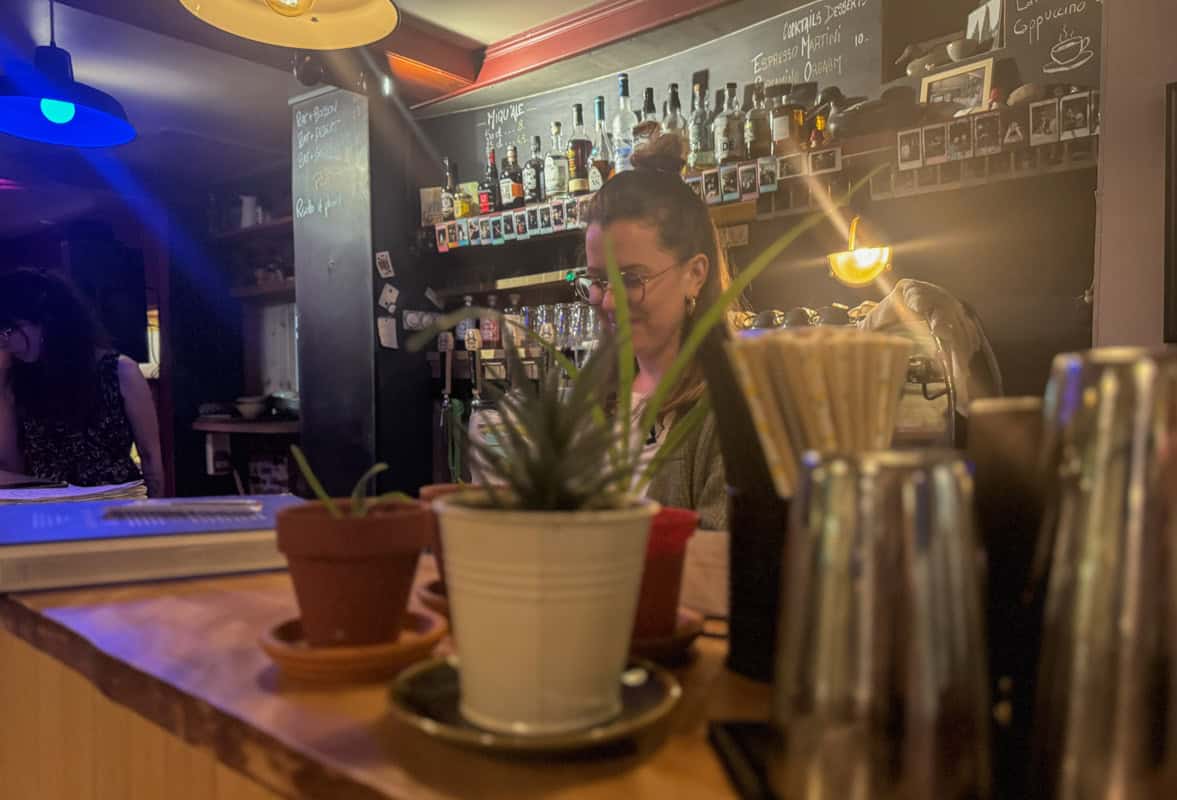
(488, 188)
(758, 126)
(699, 134)
(648, 122)
(819, 137)
(466, 324)
(580, 149)
(556, 166)
(622, 125)
(489, 326)
(787, 119)
(511, 181)
(729, 130)
(601, 168)
(533, 173)
(447, 194)
(673, 121)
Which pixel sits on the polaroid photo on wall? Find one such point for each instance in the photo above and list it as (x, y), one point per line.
(712, 192)
(557, 215)
(496, 229)
(545, 219)
(571, 213)
(451, 232)
(935, 144)
(790, 166)
(533, 225)
(695, 183)
(484, 230)
(729, 182)
(1075, 116)
(508, 226)
(749, 182)
(825, 161)
(443, 242)
(520, 222)
(463, 232)
(987, 133)
(911, 149)
(475, 231)
(960, 139)
(583, 203)
(1044, 122)
(766, 174)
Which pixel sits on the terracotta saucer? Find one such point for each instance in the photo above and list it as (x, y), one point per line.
(427, 697)
(433, 596)
(368, 664)
(671, 649)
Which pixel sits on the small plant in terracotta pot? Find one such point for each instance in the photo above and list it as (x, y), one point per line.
(661, 587)
(352, 561)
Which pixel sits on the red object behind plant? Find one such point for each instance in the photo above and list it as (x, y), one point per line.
(670, 531)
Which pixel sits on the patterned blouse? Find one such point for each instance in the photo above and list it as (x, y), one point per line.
(93, 452)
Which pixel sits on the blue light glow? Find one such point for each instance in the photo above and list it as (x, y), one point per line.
(58, 112)
(90, 127)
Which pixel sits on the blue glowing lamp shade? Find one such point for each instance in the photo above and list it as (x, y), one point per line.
(44, 103)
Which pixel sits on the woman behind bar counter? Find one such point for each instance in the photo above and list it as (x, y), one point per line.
(70, 408)
(667, 249)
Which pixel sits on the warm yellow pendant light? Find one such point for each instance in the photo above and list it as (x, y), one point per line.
(859, 266)
(301, 24)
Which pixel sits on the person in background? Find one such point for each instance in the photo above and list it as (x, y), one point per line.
(70, 407)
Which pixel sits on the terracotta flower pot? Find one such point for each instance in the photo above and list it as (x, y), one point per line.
(352, 576)
(428, 494)
(666, 551)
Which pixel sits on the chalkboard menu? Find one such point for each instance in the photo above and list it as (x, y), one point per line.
(832, 42)
(1055, 41)
(333, 283)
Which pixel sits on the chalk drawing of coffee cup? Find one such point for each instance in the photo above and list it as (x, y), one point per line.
(1071, 51)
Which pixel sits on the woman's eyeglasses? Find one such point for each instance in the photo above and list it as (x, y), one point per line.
(592, 290)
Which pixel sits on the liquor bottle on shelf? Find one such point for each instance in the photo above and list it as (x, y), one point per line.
(733, 129)
(580, 149)
(673, 121)
(819, 137)
(601, 168)
(622, 125)
(758, 126)
(648, 124)
(556, 166)
(511, 180)
(489, 326)
(533, 173)
(787, 119)
(488, 189)
(699, 134)
(465, 324)
(447, 194)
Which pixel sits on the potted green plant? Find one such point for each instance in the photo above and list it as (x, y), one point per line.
(352, 561)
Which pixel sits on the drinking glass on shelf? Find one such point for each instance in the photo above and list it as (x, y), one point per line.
(528, 314)
(563, 322)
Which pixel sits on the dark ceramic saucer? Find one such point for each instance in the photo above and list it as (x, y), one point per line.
(426, 697)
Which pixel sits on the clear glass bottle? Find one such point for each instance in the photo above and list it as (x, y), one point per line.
(729, 129)
(447, 194)
(673, 121)
(622, 125)
(758, 126)
(533, 173)
(556, 166)
(601, 168)
(580, 149)
(489, 326)
(488, 188)
(511, 180)
(466, 324)
(648, 123)
(787, 120)
(699, 133)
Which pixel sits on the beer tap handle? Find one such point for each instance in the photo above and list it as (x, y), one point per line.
(445, 344)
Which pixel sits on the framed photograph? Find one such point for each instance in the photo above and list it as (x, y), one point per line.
(520, 225)
(1171, 213)
(935, 144)
(533, 226)
(1075, 116)
(960, 139)
(1095, 112)
(582, 209)
(557, 214)
(571, 215)
(545, 219)
(484, 230)
(749, 182)
(451, 233)
(443, 242)
(729, 182)
(1044, 122)
(509, 226)
(967, 86)
(987, 133)
(766, 174)
(711, 191)
(695, 182)
(825, 161)
(790, 166)
(463, 232)
(911, 149)
(496, 229)
(985, 25)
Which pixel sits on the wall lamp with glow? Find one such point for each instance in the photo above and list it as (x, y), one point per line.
(42, 102)
(301, 24)
(859, 266)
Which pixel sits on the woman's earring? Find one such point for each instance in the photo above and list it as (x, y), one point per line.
(691, 303)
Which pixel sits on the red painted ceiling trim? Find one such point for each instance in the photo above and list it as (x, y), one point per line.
(575, 34)
(420, 41)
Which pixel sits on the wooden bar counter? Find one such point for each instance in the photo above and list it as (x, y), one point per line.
(161, 691)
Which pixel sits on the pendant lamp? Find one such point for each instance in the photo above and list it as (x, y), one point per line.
(42, 102)
(859, 266)
(301, 24)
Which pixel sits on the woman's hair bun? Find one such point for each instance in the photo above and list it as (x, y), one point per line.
(661, 153)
